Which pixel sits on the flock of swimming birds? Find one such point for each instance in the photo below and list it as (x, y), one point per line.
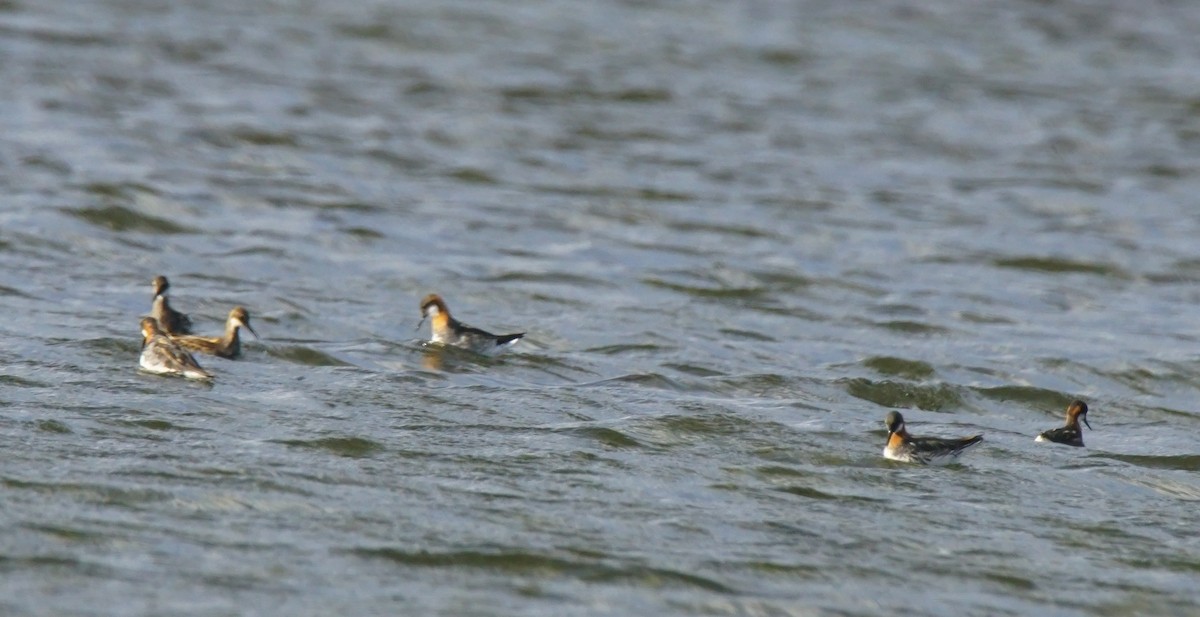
(901, 446)
(167, 343)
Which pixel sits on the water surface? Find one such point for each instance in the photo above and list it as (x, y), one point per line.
(738, 234)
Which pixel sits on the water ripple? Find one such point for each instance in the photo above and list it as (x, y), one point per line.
(120, 218)
(931, 397)
(529, 563)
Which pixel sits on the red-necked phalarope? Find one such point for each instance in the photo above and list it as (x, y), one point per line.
(904, 447)
(449, 331)
(161, 355)
(1069, 434)
(226, 346)
(172, 321)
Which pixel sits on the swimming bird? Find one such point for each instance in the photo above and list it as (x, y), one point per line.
(161, 355)
(172, 321)
(1069, 434)
(225, 346)
(904, 447)
(449, 331)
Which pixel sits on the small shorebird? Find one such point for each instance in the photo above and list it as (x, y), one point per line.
(172, 321)
(904, 447)
(161, 355)
(225, 346)
(449, 331)
(1069, 434)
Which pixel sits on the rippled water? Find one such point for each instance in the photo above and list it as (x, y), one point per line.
(737, 233)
